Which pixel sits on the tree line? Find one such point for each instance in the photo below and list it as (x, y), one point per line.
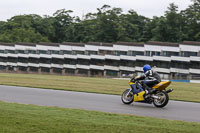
(107, 24)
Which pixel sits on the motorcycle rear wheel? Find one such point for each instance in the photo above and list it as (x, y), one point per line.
(164, 98)
(127, 98)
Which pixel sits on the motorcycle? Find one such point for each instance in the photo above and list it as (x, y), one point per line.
(159, 97)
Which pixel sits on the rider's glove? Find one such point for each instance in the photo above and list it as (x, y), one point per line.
(136, 79)
(132, 79)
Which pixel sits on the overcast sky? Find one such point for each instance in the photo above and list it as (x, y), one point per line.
(148, 8)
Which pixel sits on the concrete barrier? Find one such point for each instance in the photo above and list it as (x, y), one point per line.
(194, 81)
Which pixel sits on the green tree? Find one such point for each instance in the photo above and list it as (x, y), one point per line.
(173, 24)
(192, 20)
(62, 21)
(20, 29)
(159, 32)
(45, 27)
(133, 26)
(107, 24)
(22, 35)
(167, 28)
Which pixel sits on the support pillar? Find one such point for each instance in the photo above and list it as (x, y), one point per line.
(39, 70)
(100, 73)
(119, 74)
(76, 72)
(189, 77)
(63, 71)
(104, 73)
(16, 69)
(179, 54)
(89, 73)
(28, 70)
(7, 68)
(170, 76)
(51, 71)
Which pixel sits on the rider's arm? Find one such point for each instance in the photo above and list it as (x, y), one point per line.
(144, 76)
(140, 78)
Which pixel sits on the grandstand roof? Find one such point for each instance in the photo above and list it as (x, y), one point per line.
(162, 43)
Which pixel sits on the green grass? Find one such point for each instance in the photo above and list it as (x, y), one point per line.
(182, 91)
(18, 118)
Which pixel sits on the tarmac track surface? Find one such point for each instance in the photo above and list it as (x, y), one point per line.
(175, 110)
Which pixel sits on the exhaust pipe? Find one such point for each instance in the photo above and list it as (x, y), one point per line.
(170, 90)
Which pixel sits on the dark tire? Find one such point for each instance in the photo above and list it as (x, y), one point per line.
(127, 99)
(163, 101)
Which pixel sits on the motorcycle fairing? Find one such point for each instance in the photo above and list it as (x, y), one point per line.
(136, 89)
(162, 85)
(139, 96)
(138, 92)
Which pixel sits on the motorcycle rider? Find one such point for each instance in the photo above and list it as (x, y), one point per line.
(149, 79)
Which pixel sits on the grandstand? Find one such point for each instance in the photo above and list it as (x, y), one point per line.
(171, 60)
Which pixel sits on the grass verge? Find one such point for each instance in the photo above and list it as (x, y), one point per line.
(182, 91)
(20, 118)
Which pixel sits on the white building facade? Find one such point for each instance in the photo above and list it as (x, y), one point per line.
(170, 60)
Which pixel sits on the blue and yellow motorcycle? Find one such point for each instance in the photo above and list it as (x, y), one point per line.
(136, 93)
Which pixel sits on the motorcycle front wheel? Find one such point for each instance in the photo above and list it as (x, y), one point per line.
(162, 100)
(127, 97)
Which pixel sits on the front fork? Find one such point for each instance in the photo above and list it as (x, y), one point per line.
(128, 94)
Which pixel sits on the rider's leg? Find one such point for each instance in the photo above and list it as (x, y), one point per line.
(147, 83)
